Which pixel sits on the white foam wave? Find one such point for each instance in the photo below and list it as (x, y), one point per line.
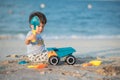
(22, 37)
(15, 36)
(83, 37)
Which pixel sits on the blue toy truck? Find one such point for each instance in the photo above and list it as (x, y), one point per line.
(55, 54)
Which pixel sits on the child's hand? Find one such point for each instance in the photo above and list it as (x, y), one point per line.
(30, 39)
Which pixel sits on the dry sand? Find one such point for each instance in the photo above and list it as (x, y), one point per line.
(106, 50)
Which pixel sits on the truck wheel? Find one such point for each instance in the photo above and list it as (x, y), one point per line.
(54, 60)
(70, 60)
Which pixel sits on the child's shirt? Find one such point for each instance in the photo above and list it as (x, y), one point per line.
(35, 47)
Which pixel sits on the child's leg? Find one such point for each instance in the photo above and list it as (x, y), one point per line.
(31, 57)
(41, 57)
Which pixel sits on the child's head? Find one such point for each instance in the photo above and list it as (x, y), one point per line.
(42, 19)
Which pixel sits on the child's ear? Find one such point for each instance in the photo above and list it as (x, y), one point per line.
(31, 26)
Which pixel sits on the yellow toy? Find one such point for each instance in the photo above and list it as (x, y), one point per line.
(95, 62)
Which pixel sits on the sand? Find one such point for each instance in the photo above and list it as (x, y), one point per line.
(106, 50)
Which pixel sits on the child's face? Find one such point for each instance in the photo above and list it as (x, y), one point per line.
(39, 29)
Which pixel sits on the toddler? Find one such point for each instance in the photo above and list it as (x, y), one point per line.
(35, 44)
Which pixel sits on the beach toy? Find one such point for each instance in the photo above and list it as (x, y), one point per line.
(55, 54)
(86, 64)
(39, 66)
(23, 62)
(35, 21)
(95, 62)
(31, 66)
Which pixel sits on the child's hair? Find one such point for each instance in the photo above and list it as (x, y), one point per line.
(41, 16)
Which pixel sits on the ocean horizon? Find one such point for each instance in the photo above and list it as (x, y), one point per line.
(66, 19)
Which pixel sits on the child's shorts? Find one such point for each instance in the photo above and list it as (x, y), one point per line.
(40, 57)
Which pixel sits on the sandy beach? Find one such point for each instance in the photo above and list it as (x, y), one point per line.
(106, 50)
(91, 27)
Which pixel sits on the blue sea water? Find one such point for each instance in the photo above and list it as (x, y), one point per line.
(67, 19)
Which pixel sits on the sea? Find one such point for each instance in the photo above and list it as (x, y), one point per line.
(66, 19)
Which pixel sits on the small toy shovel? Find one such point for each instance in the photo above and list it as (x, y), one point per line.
(35, 21)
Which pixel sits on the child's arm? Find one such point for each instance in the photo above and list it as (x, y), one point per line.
(30, 38)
